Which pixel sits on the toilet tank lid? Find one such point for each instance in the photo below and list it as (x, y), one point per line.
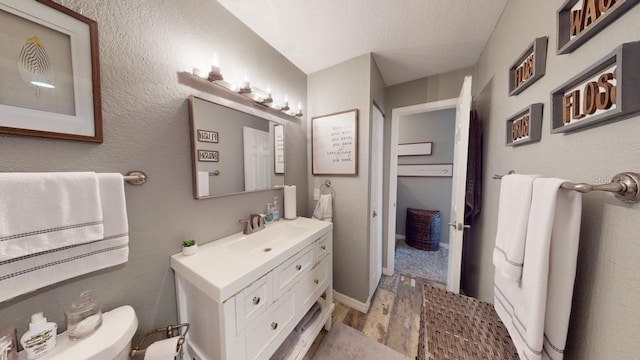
(118, 327)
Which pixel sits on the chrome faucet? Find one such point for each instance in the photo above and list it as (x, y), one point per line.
(253, 224)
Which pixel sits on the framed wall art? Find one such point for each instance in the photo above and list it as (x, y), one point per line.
(604, 91)
(580, 20)
(529, 67)
(207, 136)
(525, 126)
(50, 72)
(278, 148)
(208, 156)
(334, 143)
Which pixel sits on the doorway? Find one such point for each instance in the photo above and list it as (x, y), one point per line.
(462, 106)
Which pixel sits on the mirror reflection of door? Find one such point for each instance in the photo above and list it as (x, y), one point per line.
(256, 159)
(224, 173)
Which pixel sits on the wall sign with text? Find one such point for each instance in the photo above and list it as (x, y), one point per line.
(528, 67)
(580, 20)
(525, 126)
(208, 156)
(334, 143)
(608, 89)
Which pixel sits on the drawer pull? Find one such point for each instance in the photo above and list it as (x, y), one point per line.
(298, 267)
(316, 281)
(274, 325)
(256, 300)
(323, 247)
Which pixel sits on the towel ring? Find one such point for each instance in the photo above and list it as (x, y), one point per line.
(327, 186)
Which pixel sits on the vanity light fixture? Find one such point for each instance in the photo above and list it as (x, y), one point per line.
(215, 74)
(267, 99)
(299, 113)
(246, 86)
(285, 103)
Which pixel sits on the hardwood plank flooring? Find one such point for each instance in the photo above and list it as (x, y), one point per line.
(393, 318)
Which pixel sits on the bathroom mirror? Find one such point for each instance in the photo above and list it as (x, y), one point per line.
(233, 151)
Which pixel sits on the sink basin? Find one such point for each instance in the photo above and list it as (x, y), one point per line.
(267, 239)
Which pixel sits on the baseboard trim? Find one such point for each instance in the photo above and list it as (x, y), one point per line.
(444, 245)
(351, 302)
(385, 271)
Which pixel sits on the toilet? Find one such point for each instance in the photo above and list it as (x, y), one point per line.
(111, 341)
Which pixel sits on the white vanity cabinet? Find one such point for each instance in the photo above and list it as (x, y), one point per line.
(244, 294)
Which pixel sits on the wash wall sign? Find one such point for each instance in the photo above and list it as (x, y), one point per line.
(528, 67)
(580, 20)
(525, 126)
(608, 89)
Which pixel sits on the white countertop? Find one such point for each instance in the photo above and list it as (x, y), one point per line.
(224, 267)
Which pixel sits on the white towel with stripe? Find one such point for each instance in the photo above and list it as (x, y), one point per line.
(536, 310)
(513, 216)
(20, 275)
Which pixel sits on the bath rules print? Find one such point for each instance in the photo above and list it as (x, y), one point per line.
(335, 143)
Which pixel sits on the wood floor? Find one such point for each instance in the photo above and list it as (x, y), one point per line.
(393, 318)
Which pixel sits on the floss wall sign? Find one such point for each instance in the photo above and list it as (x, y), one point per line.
(608, 89)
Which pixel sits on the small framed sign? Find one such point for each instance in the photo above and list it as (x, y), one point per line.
(525, 126)
(580, 20)
(208, 156)
(278, 149)
(608, 89)
(528, 67)
(430, 170)
(207, 136)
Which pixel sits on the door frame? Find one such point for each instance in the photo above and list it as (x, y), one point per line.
(392, 195)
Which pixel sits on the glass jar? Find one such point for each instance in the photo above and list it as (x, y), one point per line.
(84, 316)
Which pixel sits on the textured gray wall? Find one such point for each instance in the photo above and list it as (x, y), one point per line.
(431, 193)
(432, 88)
(606, 308)
(342, 87)
(143, 46)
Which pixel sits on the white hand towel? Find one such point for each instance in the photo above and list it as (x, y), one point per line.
(536, 310)
(45, 211)
(31, 272)
(323, 209)
(513, 215)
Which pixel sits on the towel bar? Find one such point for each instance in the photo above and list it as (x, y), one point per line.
(135, 177)
(625, 186)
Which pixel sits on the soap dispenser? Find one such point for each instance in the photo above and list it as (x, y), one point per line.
(40, 338)
(274, 209)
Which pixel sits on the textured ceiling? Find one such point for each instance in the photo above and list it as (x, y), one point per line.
(410, 39)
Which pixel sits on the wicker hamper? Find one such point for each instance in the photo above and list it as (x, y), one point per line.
(423, 229)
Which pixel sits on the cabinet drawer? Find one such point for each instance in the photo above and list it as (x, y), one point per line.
(323, 247)
(313, 284)
(291, 270)
(271, 329)
(253, 301)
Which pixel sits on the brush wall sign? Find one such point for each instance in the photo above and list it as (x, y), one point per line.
(528, 67)
(608, 89)
(580, 20)
(525, 126)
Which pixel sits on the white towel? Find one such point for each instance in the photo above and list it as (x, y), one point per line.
(323, 209)
(536, 310)
(31, 272)
(513, 215)
(45, 211)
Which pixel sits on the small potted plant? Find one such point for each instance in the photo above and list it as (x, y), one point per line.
(189, 247)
